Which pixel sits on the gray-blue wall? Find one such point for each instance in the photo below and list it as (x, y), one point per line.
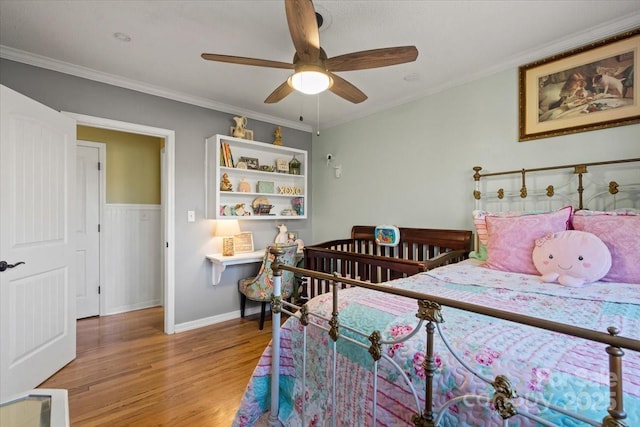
(195, 298)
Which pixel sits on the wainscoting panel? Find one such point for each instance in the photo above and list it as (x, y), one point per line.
(133, 257)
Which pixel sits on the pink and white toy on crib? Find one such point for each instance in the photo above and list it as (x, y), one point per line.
(571, 258)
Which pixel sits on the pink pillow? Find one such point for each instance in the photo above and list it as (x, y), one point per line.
(480, 223)
(511, 239)
(480, 220)
(620, 231)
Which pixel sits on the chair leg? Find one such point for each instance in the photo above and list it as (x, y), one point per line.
(243, 302)
(264, 307)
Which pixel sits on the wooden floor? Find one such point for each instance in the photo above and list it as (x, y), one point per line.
(128, 372)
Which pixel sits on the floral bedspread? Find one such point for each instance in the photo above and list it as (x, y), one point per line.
(568, 372)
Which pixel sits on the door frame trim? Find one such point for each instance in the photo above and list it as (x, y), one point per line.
(102, 158)
(168, 205)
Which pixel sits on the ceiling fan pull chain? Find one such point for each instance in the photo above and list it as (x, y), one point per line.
(318, 116)
(301, 108)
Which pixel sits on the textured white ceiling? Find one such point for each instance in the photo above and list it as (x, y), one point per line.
(458, 41)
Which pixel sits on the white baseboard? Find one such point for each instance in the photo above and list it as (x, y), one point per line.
(207, 321)
(132, 307)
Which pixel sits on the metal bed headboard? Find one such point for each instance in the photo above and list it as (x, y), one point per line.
(556, 183)
(605, 185)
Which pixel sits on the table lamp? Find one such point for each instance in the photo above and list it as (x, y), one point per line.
(227, 229)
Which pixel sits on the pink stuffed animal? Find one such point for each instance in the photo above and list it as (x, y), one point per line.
(572, 258)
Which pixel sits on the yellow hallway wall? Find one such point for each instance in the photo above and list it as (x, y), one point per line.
(133, 165)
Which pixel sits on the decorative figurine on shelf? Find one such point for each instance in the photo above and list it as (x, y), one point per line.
(241, 123)
(283, 237)
(225, 184)
(277, 136)
(240, 211)
(244, 186)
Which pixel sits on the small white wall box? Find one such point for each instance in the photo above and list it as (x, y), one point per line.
(387, 235)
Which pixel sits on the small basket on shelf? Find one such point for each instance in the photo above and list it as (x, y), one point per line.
(262, 209)
(261, 206)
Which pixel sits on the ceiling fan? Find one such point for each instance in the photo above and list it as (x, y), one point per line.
(313, 71)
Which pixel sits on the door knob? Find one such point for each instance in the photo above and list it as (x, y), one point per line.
(4, 265)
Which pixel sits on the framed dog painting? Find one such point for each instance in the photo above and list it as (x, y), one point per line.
(588, 88)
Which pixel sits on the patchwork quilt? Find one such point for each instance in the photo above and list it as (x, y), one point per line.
(567, 372)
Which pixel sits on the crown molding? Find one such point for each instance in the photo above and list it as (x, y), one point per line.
(99, 76)
(572, 41)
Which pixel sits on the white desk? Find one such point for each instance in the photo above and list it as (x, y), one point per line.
(219, 262)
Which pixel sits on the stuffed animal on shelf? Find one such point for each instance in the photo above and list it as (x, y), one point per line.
(571, 258)
(283, 237)
(239, 210)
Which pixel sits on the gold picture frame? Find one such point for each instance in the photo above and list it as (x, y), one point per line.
(243, 242)
(588, 88)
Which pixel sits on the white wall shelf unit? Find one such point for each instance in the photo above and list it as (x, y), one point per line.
(289, 190)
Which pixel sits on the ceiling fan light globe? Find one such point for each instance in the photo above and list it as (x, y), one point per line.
(310, 82)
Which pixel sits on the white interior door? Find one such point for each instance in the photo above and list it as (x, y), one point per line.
(87, 230)
(37, 227)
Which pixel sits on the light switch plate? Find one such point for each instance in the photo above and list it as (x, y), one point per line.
(191, 216)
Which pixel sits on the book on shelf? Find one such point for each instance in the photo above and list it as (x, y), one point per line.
(231, 162)
(226, 158)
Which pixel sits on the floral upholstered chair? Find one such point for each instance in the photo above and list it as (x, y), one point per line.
(260, 287)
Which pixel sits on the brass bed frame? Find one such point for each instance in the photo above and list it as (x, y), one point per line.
(430, 315)
(579, 170)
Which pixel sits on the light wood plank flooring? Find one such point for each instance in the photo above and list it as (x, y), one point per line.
(128, 372)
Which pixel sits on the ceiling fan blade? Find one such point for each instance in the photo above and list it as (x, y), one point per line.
(373, 58)
(346, 90)
(247, 61)
(279, 94)
(303, 26)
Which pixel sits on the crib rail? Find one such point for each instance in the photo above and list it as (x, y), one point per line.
(429, 313)
(419, 244)
(361, 258)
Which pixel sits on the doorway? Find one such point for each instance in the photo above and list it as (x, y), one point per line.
(167, 202)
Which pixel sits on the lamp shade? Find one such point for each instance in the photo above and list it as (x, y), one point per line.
(227, 228)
